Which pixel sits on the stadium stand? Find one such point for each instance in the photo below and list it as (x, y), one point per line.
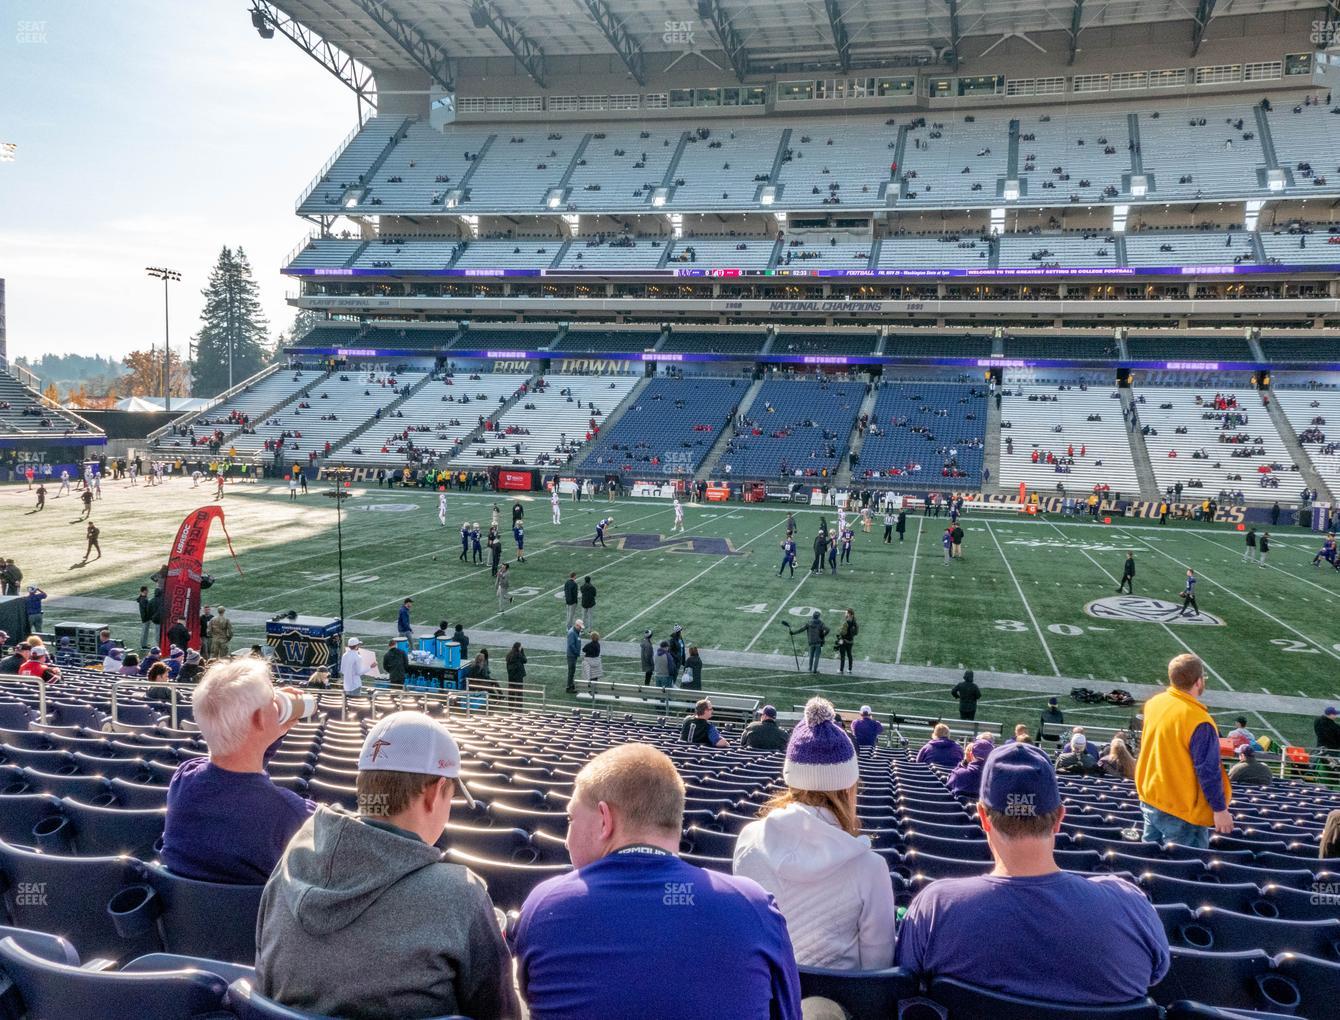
(1026, 250)
(853, 342)
(620, 167)
(908, 345)
(522, 253)
(519, 337)
(1195, 348)
(267, 394)
(1300, 348)
(520, 766)
(745, 341)
(950, 158)
(409, 253)
(620, 252)
(723, 252)
(1304, 132)
(942, 252)
(1234, 461)
(925, 433)
(333, 406)
(598, 341)
(793, 428)
(825, 164)
(327, 252)
(550, 423)
(1081, 347)
(425, 420)
(1158, 248)
(669, 429)
(1080, 154)
(24, 412)
(1208, 152)
(1315, 417)
(1088, 422)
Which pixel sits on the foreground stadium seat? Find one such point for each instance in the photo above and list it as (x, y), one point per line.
(65, 896)
(967, 1002)
(15, 715)
(509, 884)
(248, 1004)
(111, 831)
(1233, 932)
(1245, 980)
(206, 919)
(1231, 871)
(865, 995)
(52, 990)
(137, 795)
(20, 813)
(512, 844)
(1317, 981)
(1295, 904)
(1231, 896)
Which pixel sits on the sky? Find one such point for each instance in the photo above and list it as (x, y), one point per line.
(149, 133)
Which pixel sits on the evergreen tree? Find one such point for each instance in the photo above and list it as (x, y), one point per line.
(233, 341)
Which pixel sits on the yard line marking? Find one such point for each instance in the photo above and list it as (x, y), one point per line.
(780, 606)
(1266, 723)
(907, 602)
(1112, 577)
(1325, 648)
(715, 563)
(1027, 608)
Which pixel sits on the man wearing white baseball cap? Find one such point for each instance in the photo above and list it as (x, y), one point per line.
(362, 917)
(353, 667)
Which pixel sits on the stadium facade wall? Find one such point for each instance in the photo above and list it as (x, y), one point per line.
(1104, 49)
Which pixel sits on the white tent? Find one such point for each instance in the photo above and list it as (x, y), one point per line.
(156, 404)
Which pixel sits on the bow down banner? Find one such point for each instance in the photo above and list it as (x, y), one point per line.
(185, 571)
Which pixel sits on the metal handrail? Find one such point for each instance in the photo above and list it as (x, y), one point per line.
(339, 151)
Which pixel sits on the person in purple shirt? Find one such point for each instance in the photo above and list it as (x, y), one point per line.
(636, 932)
(990, 931)
(965, 781)
(941, 749)
(226, 820)
(865, 731)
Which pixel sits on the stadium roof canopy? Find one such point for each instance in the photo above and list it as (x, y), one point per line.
(771, 34)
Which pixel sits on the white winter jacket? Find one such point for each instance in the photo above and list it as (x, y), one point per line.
(834, 891)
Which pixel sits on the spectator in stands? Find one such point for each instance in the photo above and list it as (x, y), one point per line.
(353, 667)
(966, 780)
(1250, 770)
(592, 665)
(356, 889)
(698, 728)
(11, 663)
(1240, 735)
(226, 821)
(1183, 789)
(1325, 727)
(991, 930)
(647, 651)
(1077, 756)
(941, 749)
(764, 734)
(693, 670)
(865, 731)
(39, 665)
(807, 850)
(1330, 836)
(574, 651)
(690, 942)
(395, 662)
(1118, 761)
(158, 674)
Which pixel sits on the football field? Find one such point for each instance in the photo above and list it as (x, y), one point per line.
(1031, 606)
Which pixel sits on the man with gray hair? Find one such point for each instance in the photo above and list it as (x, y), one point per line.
(363, 917)
(226, 821)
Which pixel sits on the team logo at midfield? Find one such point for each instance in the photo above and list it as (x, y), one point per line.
(702, 545)
(1140, 609)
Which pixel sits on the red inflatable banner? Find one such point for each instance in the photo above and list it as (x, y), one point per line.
(185, 571)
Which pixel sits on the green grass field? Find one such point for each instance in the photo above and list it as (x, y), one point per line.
(1014, 604)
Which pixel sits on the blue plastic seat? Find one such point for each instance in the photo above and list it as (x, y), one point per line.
(113, 831)
(20, 813)
(865, 995)
(1317, 981)
(508, 884)
(1234, 932)
(15, 715)
(206, 919)
(248, 1004)
(1295, 904)
(57, 762)
(1231, 871)
(709, 842)
(126, 794)
(66, 896)
(134, 770)
(918, 862)
(89, 789)
(51, 990)
(1245, 980)
(966, 1001)
(510, 844)
(1231, 896)
(960, 849)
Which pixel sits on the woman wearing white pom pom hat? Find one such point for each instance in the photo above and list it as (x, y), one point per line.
(806, 849)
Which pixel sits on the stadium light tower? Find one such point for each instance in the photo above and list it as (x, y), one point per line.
(167, 276)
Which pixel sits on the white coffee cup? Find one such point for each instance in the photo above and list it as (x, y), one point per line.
(284, 707)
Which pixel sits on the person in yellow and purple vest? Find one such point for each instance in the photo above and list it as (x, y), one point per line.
(1184, 790)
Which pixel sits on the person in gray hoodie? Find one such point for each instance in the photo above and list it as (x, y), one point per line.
(363, 918)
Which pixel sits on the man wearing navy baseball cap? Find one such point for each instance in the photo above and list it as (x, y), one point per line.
(363, 917)
(999, 931)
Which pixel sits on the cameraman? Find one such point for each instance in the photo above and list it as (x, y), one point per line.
(815, 632)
